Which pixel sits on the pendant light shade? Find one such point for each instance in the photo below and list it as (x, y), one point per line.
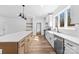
(22, 14)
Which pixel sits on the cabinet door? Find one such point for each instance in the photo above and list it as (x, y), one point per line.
(26, 44)
(21, 47)
(72, 47)
(47, 36)
(69, 50)
(52, 40)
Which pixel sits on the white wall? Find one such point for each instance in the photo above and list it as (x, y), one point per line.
(75, 14)
(15, 25)
(11, 25)
(38, 20)
(2, 20)
(59, 9)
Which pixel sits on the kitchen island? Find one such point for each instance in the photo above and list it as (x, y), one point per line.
(10, 43)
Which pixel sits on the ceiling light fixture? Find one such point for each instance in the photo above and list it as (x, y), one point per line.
(22, 14)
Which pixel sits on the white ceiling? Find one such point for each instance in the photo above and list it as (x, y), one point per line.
(30, 10)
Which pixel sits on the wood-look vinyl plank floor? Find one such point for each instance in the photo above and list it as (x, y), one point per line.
(39, 45)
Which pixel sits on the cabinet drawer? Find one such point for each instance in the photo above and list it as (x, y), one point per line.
(69, 51)
(72, 45)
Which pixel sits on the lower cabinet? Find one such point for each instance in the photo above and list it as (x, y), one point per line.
(26, 44)
(69, 50)
(71, 47)
(50, 38)
(23, 45)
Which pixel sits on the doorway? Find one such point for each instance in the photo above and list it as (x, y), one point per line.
(38, 29)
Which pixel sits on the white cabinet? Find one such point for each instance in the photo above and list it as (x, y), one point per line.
(50, 38)
(69, 50)
(71, 47)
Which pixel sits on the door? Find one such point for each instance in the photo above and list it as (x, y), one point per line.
(38, 28)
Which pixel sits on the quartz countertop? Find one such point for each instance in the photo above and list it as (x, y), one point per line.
(71, 37)
(14, 37)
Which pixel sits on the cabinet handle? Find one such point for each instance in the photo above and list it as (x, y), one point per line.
(70, 45)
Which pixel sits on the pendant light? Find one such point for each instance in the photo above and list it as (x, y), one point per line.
(22, 14)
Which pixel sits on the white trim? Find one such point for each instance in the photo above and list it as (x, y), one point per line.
(63, 10)
(58, 21)
(65, 18)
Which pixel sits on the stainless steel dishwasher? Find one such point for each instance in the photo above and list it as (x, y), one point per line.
(59, 44)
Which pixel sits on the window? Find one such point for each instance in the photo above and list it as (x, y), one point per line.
(69, 18)
(56, 21)
(62, 20)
